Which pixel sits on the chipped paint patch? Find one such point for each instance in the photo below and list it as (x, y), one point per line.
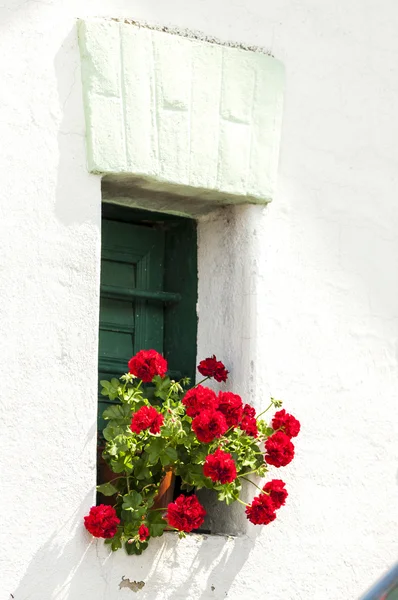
(134, 586)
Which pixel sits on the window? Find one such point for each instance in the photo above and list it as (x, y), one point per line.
(148, 295)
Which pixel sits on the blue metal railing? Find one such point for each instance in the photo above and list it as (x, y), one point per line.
(386, 588)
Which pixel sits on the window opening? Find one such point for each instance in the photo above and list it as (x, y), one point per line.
(147, 299)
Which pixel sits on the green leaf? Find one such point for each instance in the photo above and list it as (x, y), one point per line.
(142, 472)
(135, 547)
(157, 529)
(115, 542)
(162, 387)
(105, 387)
(199, 457)
(138, 513)
(131, 500)
(186, 486)
(166, 431)
(122, 463)
(154, 449)
(171, 453)
(228, 493)
(156, 523)
(111, 449)
(121, 413)
(107, 489)
(112, 430)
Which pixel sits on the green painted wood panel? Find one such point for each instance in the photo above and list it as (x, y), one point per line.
(132, 258)
(180, 324)
(154, 253)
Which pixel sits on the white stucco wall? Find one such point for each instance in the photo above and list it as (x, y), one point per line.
(319, 267)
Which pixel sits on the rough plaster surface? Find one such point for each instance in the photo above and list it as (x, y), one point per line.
(180, 114)
(313, 276)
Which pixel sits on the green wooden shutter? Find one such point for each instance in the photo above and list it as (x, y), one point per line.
(148, 291)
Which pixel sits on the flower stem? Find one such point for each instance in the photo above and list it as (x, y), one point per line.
(252, 482)
(149, 485)
(241, 501)
(264, 411)
(128, 483)
(201, 381)
(115, 479)
(248, 473)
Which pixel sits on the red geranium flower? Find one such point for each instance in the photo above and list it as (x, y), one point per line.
(185, 513)
(287, 423)
(143, 532)
(211, 367)
(249, 426)
(146, 364)
(261, 511)
(231, 407)
(249, 411)
(209, 425)
(279, 450)
(276, 490)
(147, 417)
(102, 521)
(220, 466)
(198, 399)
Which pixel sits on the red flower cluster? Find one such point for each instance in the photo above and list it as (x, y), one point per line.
(185, 513)
(211, 367)
(261, 511)
(220, 466)
(249, 423)
(205, 407)
(276, 490)
(102, 521)
(147, 417)
(279, 450)
(231, 406)
(209, 424)
(198, 399)
(285, 422)
(143, 532)
(146, 364)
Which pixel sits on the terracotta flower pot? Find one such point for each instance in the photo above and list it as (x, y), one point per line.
(166, 490)
(105, 474)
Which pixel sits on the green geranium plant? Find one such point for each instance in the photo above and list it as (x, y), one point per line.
(209, 440)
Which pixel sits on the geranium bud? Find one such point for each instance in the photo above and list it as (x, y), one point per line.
(130, 541)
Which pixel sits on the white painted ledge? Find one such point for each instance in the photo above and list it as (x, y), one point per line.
(180, 115)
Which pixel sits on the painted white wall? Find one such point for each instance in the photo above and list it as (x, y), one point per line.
(320, 266)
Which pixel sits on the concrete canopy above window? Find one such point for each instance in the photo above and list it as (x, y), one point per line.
(179, 116)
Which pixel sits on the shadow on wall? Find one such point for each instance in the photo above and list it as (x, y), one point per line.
(57, 563)
(76, 200)
(199, 568)
(73, 566)
(220, 570)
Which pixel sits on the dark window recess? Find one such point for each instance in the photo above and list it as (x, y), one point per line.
(148, 296)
